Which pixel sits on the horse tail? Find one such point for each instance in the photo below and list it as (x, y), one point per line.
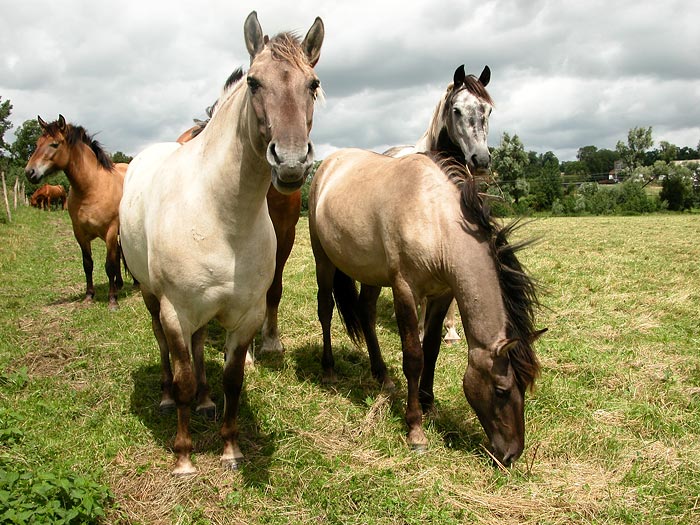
(127, 272)
(346, 299)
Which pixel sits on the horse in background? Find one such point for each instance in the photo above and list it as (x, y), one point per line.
(421, 229)
(93, 201)
(195, 230)
(44, 196)
(458, 130)
(284, 210)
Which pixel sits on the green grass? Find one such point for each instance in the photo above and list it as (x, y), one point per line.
(612, 429)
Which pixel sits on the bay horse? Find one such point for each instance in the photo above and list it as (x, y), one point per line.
(284, 210)
(421, 229)
(44, 196)
(93, 201)
(458, 129)
(195, 230)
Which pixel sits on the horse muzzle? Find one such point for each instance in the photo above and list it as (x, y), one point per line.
(290, 166)
(33, 175)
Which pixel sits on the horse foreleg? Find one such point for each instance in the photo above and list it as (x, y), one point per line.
(270, 331)
(204, 403)
(113, 268)
(434, 314)
(367, 313)
(451, 336)
(184, 385)
(233, 385)
(407, 321)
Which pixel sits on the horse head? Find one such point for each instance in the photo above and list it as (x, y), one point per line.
(283, 87)
(52, 151)
(466, 117)
(494, 385)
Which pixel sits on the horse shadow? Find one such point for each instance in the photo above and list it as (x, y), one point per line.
(257, 446)
(101, 295)
(355, 382)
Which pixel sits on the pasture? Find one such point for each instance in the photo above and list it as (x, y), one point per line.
(612, 428)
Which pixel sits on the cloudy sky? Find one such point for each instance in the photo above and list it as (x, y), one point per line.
(565, 74)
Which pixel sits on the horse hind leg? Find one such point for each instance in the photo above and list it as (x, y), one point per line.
(86, 250)
(113, 269)
(205, 405)
(434, 314)
(167, 402)
(367, 313)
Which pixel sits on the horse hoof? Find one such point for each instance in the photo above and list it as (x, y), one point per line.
(419, 448)
(451, 336)
(329, 378)
(167, 406)
(388, 386)
(113, 307)
(273, 346)
(229, 464)
(184, 468)
(208, 411)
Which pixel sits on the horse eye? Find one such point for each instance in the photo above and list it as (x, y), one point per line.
(315, 84)
(457, 112)
(503, 393)
(253, 84)
(54, 145)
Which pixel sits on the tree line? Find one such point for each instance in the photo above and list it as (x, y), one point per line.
(599, 181)
(633, 178)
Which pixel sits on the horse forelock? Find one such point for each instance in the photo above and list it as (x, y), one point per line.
(519, 291)
(473, 86)
(287, 46)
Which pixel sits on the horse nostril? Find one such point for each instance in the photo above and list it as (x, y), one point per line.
(475, 160)
(273, 151)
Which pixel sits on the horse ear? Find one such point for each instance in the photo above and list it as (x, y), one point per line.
(534, 336)
(313, 40)
(505, 346)
(459, 76)
(41, 122)
(253, 34)
(61, 122)
(485, 76)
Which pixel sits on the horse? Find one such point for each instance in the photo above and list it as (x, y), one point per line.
(421, 229)
(43, 197)
(93, 201)
(458, 129)
(284, 210)
(195, 230)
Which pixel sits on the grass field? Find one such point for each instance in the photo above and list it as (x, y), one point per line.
(612, 428)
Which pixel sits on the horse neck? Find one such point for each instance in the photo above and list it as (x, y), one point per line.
(476, 286)
(235, 155)
(81, 167)
(429, 139)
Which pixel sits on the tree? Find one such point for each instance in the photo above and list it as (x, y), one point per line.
(25, 141)
(509, 159)
(667, 152)
(5, 125)
(638, 141)
(120, 157)
(677, 188)
(598, 162)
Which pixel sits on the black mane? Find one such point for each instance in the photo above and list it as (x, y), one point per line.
(76, 134)
(519, 291)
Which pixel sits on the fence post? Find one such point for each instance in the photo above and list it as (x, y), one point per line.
(4, 193)
(14, 192)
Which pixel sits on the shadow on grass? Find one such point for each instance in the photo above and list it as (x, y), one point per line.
(354, 381)
(101, 295)
(257, 447)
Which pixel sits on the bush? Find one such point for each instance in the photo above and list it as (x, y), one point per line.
(677, 189)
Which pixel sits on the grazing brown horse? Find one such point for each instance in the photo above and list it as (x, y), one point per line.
(46, 194)
(421, 229)
(93, 201)
(284, 210)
